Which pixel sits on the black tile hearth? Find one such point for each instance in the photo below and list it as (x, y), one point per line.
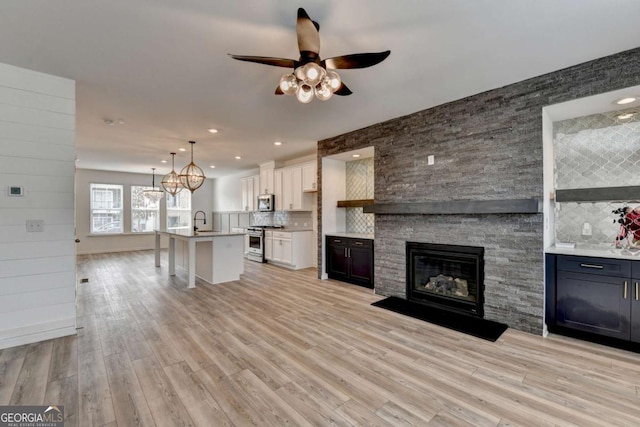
(481, 328)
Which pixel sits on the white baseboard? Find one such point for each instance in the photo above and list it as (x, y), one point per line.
(37, 333)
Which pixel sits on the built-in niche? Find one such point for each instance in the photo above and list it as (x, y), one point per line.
(359, 185)
(594, 151)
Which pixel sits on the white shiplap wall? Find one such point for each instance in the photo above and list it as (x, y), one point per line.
(37, 152)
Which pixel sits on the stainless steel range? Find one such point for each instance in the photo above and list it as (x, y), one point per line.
(256, 242)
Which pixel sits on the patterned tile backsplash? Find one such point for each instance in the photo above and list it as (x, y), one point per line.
(594, 151)
(284, 218)
(359, 181)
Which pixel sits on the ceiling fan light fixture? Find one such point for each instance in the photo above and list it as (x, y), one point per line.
(171, 181)
(191, 176)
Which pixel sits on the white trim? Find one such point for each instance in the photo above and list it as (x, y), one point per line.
(36, 333)
(105, 251)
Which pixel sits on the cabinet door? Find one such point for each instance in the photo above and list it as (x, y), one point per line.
(336, 257)
(309, 177)
(268, 248)
(635, 310)
(296, 188)
(256, 191)
(266, 181)
(246, 244)
(277, 189)
(244, 185)
(287, 190)
(593, 303)
(287, 254)
(361, 265)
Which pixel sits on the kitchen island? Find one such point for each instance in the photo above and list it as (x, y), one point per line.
(214, 257)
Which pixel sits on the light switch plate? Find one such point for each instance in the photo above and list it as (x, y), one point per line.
(15, 191)
(431, 160)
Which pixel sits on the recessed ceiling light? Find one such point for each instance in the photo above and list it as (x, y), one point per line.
(182, 149)
(238, 157)
(355, 155)
(627, 100)
(277, 143)
(163, 161)
(625, 116)
(212, 166)
(213, 130)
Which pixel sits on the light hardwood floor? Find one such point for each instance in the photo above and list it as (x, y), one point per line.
(283, 348)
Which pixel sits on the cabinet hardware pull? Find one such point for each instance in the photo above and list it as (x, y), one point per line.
(337, 241)
(599, 267)
(349, 252)
(625, 289)
(636, 291)
(345, 252)
(358, 243)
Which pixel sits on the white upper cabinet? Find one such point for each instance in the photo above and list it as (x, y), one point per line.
(309, 177)
(291, 195)
(267, 185)
(250, 189)
(277, 188)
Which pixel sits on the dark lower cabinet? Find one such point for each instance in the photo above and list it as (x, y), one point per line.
(350, 260)
(594, 295)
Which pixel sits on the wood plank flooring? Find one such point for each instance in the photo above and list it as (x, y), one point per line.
(283, 348)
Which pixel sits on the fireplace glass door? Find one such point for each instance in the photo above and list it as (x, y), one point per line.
(448, 276)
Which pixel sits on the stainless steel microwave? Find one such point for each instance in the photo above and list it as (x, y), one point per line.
(266, 203)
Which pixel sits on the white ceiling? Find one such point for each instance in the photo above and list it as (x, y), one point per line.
(162, 66)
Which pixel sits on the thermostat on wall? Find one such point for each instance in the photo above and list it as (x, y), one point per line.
(15, 191)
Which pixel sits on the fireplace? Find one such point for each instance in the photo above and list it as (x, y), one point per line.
(448, 277)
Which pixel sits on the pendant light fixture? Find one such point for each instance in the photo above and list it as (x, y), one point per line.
(171, 181)
(191, 176)
(154, 193)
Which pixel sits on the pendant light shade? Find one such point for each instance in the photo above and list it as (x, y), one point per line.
(191, 176)
(171, 181)
(154, 194)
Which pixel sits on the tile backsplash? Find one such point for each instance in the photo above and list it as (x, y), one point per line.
(359, 181)
(284, 218)
(594, 151)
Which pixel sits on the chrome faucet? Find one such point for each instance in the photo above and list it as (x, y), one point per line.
(195, 218)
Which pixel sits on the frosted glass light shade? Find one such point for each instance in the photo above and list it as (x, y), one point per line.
(289, 84)
(334, 80)
(323, 91)
(304, 93)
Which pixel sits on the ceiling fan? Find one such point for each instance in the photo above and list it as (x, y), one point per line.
(312, 75)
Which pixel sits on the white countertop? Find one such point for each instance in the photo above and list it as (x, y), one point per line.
(368, 236)
(596, 252)
(191, 234)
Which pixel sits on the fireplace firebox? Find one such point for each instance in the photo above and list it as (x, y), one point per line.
(448, 277)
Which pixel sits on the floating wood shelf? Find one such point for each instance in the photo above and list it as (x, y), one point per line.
(602, 194)
(355, 203)
(457, 207)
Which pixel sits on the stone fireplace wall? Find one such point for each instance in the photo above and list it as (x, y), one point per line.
(487, 147)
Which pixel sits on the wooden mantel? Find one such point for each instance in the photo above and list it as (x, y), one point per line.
(457, 207)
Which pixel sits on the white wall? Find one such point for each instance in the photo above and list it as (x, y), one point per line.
(201, 199)
(37, 152)
(228, 192)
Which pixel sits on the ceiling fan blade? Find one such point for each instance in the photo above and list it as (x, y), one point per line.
(308, 36)
(356, 60)
(279, 91)
(343, 90)
(267, 60)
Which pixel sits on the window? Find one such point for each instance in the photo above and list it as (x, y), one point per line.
(179, 211)
(145, 213)
(106, 208)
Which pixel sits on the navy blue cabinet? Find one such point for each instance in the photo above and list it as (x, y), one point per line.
(594, 295)
(350, 260)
